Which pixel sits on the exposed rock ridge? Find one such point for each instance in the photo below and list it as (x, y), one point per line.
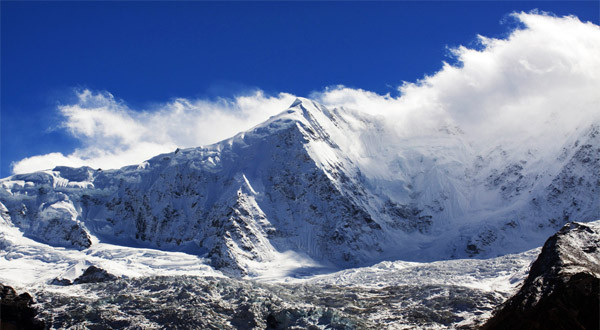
(562, 288)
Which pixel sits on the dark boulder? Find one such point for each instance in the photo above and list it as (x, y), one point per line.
(94, 275)
(61, 281)
(16, 311)
(562, 288)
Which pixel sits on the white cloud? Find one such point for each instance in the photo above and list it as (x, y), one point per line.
(46, 161)
(536, 86)
(540, 84)
(113, 135)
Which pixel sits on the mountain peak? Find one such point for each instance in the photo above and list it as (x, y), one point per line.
(301, 100)
(335, 184)
(296, 102)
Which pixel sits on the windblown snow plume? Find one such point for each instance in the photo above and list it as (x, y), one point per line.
(115, 135)
(540, 83)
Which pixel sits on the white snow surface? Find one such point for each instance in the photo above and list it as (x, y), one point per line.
(26, 264)
(501, 274)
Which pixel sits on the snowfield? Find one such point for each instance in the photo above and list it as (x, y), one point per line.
(27, 264)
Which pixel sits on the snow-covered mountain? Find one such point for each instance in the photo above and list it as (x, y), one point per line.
(335, 186)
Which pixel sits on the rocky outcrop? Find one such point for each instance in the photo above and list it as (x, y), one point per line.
(562, 288)
(94, 275)
(198, 302)
(16, 311)
(61, 281)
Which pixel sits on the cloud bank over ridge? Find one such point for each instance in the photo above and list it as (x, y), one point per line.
(538, 85)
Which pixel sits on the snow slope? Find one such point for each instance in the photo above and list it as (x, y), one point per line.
(28, 264)
(321, 189)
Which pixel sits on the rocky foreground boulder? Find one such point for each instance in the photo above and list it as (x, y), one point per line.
(562, 289)
(16, 311)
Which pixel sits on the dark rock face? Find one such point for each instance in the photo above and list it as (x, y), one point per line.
(16, 311)
(94, 275)
(61, 281)
(562, 289)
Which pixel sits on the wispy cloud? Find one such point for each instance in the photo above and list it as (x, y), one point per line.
(114, 135)
(536, 86)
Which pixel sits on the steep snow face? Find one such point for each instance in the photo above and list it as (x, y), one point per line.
(536, 193)
(443, 194)
(333, 185)
(39, 204)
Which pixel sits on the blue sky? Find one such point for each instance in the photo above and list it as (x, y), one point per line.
(148, 53)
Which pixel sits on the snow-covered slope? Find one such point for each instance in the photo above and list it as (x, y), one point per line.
(330, 187)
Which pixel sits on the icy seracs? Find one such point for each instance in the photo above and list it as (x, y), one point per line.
(336, 187)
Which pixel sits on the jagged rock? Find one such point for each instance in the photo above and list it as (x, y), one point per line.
(94, 274)
(562, 288)
(16, 311)
(61, 281)
(190, 302)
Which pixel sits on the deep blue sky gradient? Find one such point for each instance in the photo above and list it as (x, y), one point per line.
(147, 52)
